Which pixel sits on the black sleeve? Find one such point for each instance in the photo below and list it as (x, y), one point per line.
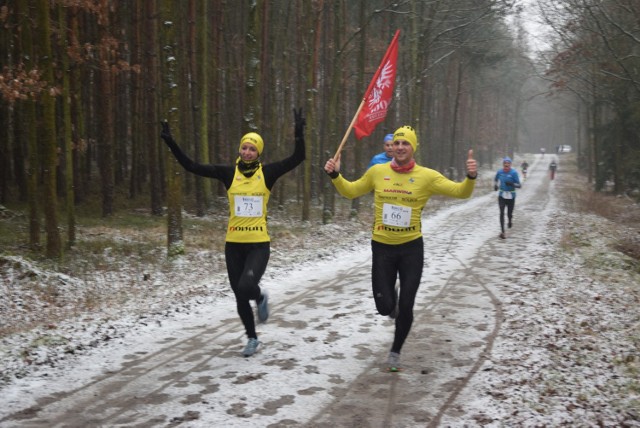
(275, 170)
(223, 173)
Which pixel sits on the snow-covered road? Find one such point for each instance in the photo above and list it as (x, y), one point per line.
(324, 346)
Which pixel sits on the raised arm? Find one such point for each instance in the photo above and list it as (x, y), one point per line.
(220, 172)
(275, 170)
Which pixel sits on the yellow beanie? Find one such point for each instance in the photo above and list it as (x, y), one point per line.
(407, 133)
(252, 138)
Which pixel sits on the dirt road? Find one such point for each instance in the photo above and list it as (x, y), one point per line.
(324, 347)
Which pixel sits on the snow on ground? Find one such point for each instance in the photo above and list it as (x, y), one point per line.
(567, 352)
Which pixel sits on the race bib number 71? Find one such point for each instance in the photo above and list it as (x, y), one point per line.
(396, 215)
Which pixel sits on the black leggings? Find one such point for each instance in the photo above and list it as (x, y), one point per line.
(245, 265)
(389, 262)
(509, 203)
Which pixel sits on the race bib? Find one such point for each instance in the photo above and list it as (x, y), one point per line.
(248, 206)
(506, 195)
(396, 215)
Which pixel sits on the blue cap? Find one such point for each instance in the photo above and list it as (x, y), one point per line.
(507, 159)
(388, 137)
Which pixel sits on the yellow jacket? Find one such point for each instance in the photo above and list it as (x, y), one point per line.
(400, 197)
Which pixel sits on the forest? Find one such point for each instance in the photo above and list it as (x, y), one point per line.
(85, 84)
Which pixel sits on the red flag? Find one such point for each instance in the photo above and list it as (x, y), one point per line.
(378, 96)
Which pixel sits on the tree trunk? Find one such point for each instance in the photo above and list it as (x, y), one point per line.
(66, 124)
(151, 97)
(334, 137)
(171, 106)
(138, 162)
(361, 83)
(48, 134)
(199, 49)
(77, 114)
(315, 19)
(453, 143)
(29, 138)
(122, 84)
(252, 111)
(8, 135)
(106, 120)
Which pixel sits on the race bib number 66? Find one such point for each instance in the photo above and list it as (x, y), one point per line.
(396, 215)
(248, 206)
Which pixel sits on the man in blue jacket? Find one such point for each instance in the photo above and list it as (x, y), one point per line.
(385, 156)
(505, 183)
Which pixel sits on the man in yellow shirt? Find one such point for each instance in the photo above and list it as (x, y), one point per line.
(401, 190)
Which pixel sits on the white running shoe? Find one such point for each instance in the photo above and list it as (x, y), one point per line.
(251, 348)
(393, 362)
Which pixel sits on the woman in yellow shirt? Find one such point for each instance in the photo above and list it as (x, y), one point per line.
(247, 244)
(401, 190)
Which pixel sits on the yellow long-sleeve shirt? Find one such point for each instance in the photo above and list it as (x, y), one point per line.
(400, 197)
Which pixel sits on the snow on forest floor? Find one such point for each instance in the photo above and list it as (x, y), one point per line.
(568, 352)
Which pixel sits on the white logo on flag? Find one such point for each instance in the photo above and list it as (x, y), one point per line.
(376, 102)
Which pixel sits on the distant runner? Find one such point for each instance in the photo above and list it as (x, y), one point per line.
(524, 167)
(506, 182)
(553, 166)
(385, 156)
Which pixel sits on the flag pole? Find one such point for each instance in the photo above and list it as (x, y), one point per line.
(346, 135)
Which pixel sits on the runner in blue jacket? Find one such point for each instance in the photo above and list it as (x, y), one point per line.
(385, 156)
(505, 183)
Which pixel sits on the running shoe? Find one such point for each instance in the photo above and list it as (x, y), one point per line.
(510, 224)
(251, 348)
(263, 307)
(502, 235)
(393, 362)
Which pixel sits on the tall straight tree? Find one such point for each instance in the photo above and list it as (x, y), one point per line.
(151, 97)
(66, 124)
(311, 20)
(170, 93)
(6, 113)
(77, 110)
(138, 166)
(335, 88)
(48, 132)
(360, 83)
(252, 65)
(107, 112)
(122, 22)
(199, 50)
(27, 111)
(185, 74)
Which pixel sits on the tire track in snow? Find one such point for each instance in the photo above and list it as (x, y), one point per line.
(118, 390)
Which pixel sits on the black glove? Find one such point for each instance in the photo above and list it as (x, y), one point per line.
(300, 123)
(495, 187)
(165, 134)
